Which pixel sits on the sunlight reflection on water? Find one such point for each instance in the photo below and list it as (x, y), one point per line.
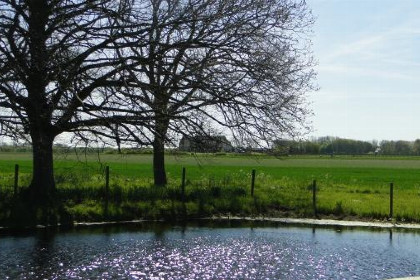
(212, 253)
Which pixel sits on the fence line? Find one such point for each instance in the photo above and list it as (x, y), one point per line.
(16, 181)
(183, 190)
(106, 191)
(252, 182)
(314, 198)
(183, 185)
(391, 200)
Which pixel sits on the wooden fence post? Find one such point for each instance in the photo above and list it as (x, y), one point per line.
(314, 197)
(106, 190)
(391, 200)
(252, 182)
(183, 185)
(16, 182)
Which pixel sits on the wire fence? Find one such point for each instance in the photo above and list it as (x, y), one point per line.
(110, 184)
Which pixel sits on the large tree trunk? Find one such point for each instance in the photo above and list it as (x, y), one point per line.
(39, 204)
(159, 171)
(42, 186)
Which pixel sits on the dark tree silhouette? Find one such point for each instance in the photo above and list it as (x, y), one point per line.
(57, 59)
(242, 65)
(143, 70)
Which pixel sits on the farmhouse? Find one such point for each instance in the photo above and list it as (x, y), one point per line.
(205, 144)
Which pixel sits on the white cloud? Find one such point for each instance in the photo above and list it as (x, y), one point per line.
(356, 48)
(366, 71)
(397, 39)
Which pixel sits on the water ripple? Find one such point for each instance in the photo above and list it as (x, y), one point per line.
(204, 253)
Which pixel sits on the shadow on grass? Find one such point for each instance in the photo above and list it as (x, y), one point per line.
(26, 210)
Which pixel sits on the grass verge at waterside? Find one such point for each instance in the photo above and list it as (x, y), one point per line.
(347, 187)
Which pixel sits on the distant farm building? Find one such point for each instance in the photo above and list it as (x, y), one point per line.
(205, 144)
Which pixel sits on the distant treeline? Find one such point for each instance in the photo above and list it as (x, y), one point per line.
(334, 145)
(320, 146)
(62, 149)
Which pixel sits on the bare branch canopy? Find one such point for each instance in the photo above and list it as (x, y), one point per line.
(144, 71)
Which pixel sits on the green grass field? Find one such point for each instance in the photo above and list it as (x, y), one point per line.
(350, 187)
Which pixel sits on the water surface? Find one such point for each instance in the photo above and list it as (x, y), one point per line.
(208, 252)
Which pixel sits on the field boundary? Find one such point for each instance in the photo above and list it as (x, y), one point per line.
(285, 221)
(324, 222)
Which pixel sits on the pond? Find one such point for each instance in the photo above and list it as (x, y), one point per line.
(210, 251)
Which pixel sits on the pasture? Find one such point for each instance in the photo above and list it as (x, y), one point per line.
(347, 187)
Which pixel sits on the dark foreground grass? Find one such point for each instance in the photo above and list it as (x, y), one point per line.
(348, 187)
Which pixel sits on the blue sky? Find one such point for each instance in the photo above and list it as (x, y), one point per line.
(368, 54)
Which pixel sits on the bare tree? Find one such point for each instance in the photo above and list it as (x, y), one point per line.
(57, 60)
(242, 65)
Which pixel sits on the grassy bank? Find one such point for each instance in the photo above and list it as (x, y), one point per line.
(351, 187)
